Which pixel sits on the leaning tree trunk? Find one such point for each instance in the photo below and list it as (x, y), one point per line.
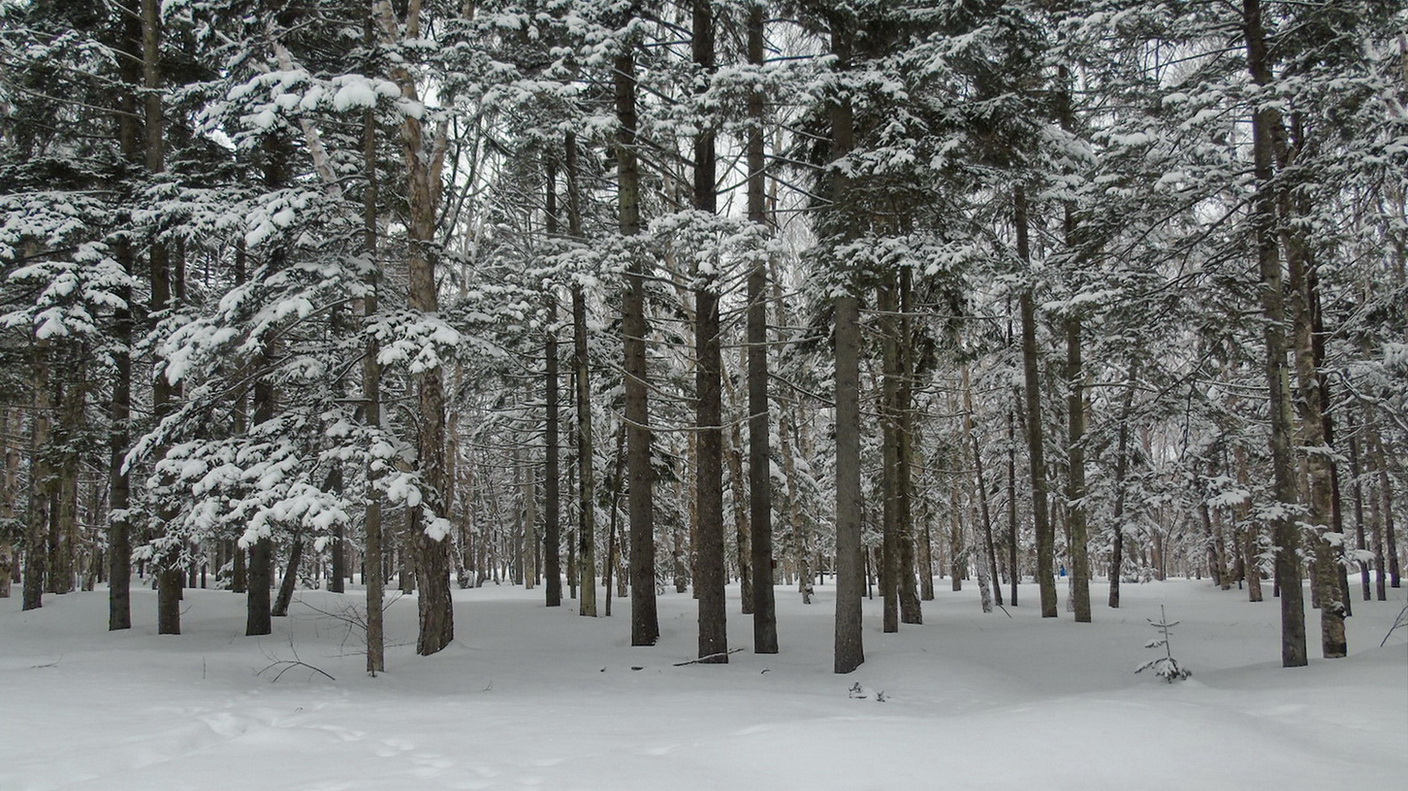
(290, 579)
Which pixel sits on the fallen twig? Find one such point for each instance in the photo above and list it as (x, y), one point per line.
(710, 658)
(286, 665)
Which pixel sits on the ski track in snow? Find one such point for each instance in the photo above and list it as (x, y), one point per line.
(528, 697)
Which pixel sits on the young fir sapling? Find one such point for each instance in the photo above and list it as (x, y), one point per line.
(1165, 667)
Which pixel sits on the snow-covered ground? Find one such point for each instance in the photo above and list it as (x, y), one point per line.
(532, 697)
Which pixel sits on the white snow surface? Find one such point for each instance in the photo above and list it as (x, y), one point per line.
(531, 697)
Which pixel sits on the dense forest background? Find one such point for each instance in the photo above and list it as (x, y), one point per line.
(632, 295)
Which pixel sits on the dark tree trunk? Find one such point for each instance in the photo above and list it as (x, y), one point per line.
(1045, 533)
(338, 546)
(290, 580)
(1361, 542)
(373, 556)
(710, 574)
(1075, 491)
(850, 563)
(581, 374)
(258, 610)
(887, 306)
(1014, 571)
(337, 574)
(162, 298)
(41, 481)
(1121, 471)
(911, 611)
(120, 406)
(759, 450)
(645, 620)
(552, 512)
(984, 510)
(9, 491)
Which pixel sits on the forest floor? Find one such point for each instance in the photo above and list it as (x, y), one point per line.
(530, 697)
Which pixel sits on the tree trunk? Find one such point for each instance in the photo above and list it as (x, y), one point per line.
(1266, 127)
(1075, 491)
(9, 491)
(850, 563)
(645, 621)
(850, 574)
(911, 611)
(373, 571)
(552, 497)
(982, 495)
(710, 575)
(162, 299)
(1014, 571)
(1361, 542)
(885, 303)
(338, 546)
(41, 481)
(120, 406)
(258, 607)
(584, 548)
(1313, 434)
(1387, 547)
(759, 452)
(1045, 533)
(290, 580)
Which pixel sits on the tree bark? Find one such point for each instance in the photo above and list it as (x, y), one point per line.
(258, 605)
(552, 497)
(41, 481)
(911, 611)
(1075, 491)
(849, 651)
(1121, 472)
(645, 620)
(982, 494)
(759, 451)
(290, 579)
(373, 571)
(710, 575)
(886, 305)
(1266, 125)
(1014, 571)
(1045, 533)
